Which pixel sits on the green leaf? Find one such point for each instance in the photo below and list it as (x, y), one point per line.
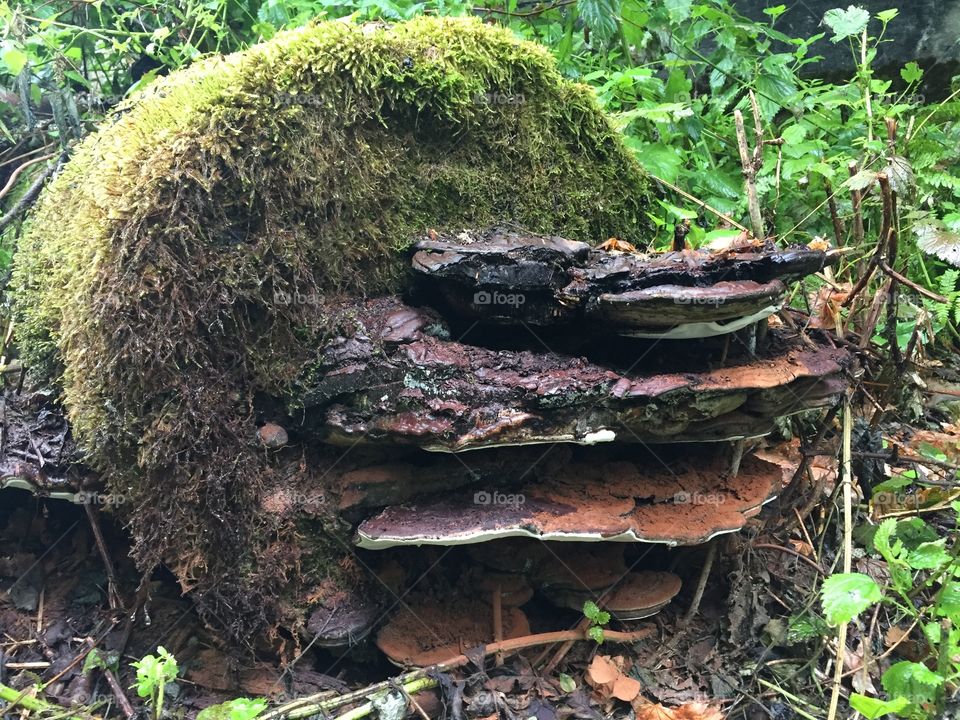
(600, 16)
(872, 708)
(94, 660)
(846, 595)
(929, 556)
(775, 12)
(887, 15)
(948, 601)
(912, 680)
(14, 59)
(596, 634)
(237, 709)
(567, 684)
(794, 134)
(678, 10)
(846, 23)
(911, 73)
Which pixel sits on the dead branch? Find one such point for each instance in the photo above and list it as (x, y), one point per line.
(750, 177)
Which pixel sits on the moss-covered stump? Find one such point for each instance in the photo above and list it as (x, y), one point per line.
(172, 273)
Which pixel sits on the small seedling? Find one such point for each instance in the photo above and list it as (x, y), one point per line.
(153, 673)
(598, 618)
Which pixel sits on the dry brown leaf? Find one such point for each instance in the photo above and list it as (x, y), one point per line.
(602, 671)
(625, 688)
(645, 710)
(616, 245)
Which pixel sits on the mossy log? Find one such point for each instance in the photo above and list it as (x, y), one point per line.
(158, 282)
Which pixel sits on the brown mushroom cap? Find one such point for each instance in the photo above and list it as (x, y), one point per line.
(437, 630)
(638, 595)
(582, 567)
(691, 500)
(515, 590)
(642, 594)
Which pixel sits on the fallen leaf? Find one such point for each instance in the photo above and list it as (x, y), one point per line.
(645, 710)
(602, 671)
(625, 688)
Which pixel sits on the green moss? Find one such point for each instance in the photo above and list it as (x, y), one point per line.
(151, 280)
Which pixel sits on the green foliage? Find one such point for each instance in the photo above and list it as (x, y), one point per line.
(153, 674)
(598, 620)
(917, 561)
(846, 595)
(236, 709)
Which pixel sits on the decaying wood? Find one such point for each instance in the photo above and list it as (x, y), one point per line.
(512, 277)
(396, 379)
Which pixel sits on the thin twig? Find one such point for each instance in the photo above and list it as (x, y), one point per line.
(306, 707)
(701, 584)
(113, 592)
(839, 231)
(846, 478)
(709, 208)
(26, 200)
(912, 285)
(11, 181)
(857, 200)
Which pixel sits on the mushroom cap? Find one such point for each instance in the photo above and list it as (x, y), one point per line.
(439, 630)
(344, 623)
(638, 595)
(515, 590)
(582, 567)
(688, 499)
(642, 594)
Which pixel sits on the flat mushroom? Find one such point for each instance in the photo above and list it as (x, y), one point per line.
(438, 630)
(397, 381)
(509, 277)
(682, 500)
(641, 594)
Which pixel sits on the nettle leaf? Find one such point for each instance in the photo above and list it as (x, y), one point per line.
(911, 73)
(679, 10)
(929, 555)
(887, 15)
(846, 595)
(846, 23)
(600, 16)
(912, 680)
(872, 708)
(775, 12)
(948, 601)
(794, 134)
(881, 541)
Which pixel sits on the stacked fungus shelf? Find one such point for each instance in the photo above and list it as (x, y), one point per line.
(652, 425)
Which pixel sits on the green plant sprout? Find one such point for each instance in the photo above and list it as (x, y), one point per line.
(153, 674)
(598, 619)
